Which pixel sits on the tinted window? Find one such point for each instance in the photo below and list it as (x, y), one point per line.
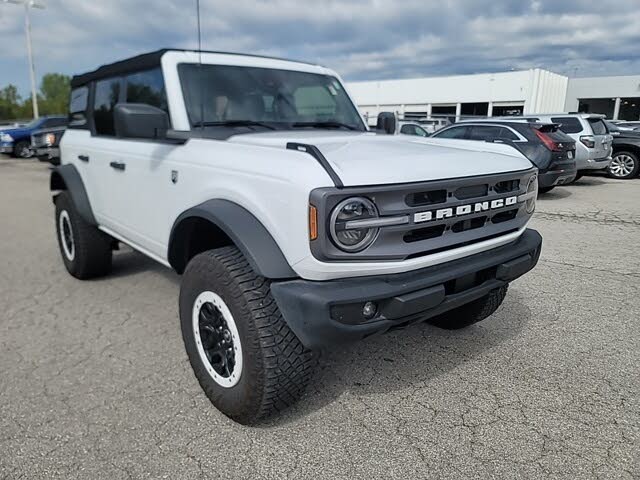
(491, 132)
(413, 130)
(568, 124)
(107, 95)
(598, 126)
(78, 102)
(147, 87)
(453, 132)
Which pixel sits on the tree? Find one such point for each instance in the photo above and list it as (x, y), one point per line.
(54, 91)
(9, 102)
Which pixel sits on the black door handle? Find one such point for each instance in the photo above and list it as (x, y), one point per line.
(117, 165)
(84, 158)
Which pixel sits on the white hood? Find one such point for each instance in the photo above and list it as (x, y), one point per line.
(370, 159)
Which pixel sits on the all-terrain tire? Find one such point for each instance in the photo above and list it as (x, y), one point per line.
(86, 251)
(275, 366)
(472, 312)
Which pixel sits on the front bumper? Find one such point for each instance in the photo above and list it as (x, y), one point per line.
(327, 313)
(6, 147)
(47, 153)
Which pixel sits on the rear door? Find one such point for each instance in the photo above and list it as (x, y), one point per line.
(603, 139)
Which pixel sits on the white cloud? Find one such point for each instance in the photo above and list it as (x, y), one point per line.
(360, 38)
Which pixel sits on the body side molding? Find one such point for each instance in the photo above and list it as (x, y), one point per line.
(66, 177)
(246, 232)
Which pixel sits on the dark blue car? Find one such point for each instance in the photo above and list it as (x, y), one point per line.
(16, 141)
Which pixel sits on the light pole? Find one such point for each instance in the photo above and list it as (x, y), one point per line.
(28, 4)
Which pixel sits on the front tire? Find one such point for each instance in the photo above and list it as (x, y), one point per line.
(472, 312)
(86, 251)
(23, 150)
(624, 165)
(245, 357)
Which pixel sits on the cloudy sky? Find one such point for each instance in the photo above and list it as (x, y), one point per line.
(362, 39)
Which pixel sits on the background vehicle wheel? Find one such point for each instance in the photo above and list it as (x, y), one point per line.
(471, 313)
(247, 360)
(23, 150)
(545, 189)
(86, 251)
(624, 165)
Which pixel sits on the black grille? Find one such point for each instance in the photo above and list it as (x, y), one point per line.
(439, 215)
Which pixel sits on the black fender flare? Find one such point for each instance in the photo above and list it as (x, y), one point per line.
(245, 231)
(66, 177)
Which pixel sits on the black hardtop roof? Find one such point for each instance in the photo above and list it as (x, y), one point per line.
(147, 61)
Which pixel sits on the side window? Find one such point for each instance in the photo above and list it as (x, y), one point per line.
(106, 97)
(484, 133)
(453, 132)
(507, 134)
(147, 87)
(598, 126)
(568, 124)
(78, 103)
(413, 130)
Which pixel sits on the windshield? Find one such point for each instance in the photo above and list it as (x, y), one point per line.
(222, 95)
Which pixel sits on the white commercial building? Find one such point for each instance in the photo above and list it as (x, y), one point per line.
(494, 94)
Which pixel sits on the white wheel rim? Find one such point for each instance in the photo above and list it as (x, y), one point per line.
(66, 235)
(621, 165)
(226, 381)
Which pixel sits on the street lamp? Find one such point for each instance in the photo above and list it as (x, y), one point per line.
(28, 4)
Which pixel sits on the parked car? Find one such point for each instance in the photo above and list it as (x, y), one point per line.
(548, 148)
(593, 141)
(46, 144)
(17, 140)
(409, 128)
(632, 125)
(626, 152)
(295, 228)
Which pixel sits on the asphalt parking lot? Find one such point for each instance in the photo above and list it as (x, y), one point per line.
(95, 382)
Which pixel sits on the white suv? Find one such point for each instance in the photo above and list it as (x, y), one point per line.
(294, 227)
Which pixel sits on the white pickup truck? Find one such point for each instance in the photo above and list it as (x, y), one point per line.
(293, 226)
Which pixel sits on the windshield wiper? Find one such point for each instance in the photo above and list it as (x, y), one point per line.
(326, 124)
(234, 123)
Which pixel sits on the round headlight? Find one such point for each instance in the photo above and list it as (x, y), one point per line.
(532, 188)
(348, 224)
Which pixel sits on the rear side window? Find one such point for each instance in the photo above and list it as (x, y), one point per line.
(491, 132)
(453, 132)
(568, 124)
(598, 126)
(147, 87)
(107, 95)
(78, 102)
(413, 130)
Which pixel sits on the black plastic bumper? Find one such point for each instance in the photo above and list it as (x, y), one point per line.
(322, 314)
(560, 175)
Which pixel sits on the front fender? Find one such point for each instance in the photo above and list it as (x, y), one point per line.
(66, 177)
(245, 231)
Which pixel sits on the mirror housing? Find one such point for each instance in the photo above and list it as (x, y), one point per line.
(387, 122)
(139, 120)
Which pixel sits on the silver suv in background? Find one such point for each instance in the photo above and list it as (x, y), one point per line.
(593, 141)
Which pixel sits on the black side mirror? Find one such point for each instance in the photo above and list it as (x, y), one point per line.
(387, 122)
(139, 120)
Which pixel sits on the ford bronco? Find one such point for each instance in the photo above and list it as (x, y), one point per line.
(293, 226)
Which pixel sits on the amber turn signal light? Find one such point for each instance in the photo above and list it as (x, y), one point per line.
(313, 222)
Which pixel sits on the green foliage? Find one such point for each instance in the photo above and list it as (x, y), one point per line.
(53, 98)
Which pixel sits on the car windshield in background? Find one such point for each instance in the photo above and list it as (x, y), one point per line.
(233, 96)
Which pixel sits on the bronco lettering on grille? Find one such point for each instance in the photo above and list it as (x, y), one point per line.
(461, 210)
